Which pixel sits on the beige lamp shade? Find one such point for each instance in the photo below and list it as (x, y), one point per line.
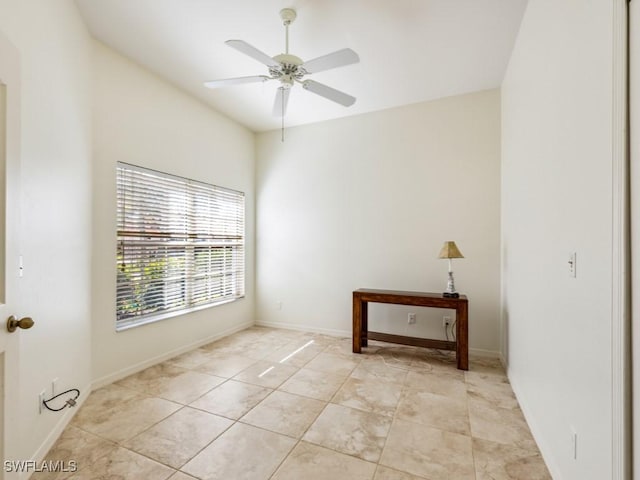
(450, 250)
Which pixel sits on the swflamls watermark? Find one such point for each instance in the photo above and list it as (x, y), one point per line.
(22, 466)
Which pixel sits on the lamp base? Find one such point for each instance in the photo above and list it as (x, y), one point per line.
(451, 295)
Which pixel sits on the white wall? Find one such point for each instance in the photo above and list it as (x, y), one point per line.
(56, 206)
(142, 120)
(557, 199)
(368, 201)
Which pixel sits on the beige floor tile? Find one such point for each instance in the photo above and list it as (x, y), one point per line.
(313, 384)
(397, 356)
(176, 439)
(500, 425)
(436, 361)
(145, 379)
(480, 362)
(172, 383)
(242, 452)
(256, 350)
(226, 366)
(377, 396)
(437, 411)
(325, 340)
(442, 384)
(285, 413)
(428, 452)
(261, 350)
(191, 359)
(181, 476)
(231, 399)
(119, 424)
(350, 431)
(386, 473)
(104, 399)
(311, 462)
(340, 346)
(495, 461)
(124, 464)
(266, 374)
(492, 393)
(376, 368)
(75, 445)
(474, 377)
(375, 346)
(255, 345)
(297, 353)
(487, 370)
(332, 363)
(236, 343)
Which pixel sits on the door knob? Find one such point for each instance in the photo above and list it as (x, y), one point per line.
(13, 323)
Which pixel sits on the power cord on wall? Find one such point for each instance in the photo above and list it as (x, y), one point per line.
(70, 402)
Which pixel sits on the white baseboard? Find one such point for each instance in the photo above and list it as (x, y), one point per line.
(57, 430)
(545, 449)
(125, 372)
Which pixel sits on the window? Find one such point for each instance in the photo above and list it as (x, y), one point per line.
(180, 245)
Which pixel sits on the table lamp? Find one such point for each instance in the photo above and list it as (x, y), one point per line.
(450, 250)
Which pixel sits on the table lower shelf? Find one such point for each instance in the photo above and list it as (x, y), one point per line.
(413, 341)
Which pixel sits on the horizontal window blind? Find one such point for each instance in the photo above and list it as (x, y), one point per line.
(180, 245)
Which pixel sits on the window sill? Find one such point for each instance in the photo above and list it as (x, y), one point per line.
(127, 325)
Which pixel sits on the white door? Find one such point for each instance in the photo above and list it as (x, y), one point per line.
(9, 256)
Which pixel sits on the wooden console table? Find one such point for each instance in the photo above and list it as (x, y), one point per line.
(364, 296)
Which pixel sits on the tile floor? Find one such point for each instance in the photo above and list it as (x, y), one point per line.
(284, 405)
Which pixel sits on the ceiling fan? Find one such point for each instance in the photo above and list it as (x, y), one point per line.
(289, 69)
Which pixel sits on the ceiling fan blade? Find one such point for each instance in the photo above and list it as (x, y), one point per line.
(253, 52)
(343, 57)
(226, 82)
(280, 103)
(329, 93)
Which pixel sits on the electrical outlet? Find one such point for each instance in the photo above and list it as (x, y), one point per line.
(41, 401)
(279, 305)
(411, 319)
(54, 386)
(446, 321)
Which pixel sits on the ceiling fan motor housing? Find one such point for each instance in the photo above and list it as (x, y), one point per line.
(289, 70)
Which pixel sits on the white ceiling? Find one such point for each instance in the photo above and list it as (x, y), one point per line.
(410, 50)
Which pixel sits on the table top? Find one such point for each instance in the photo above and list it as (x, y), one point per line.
(408, 294)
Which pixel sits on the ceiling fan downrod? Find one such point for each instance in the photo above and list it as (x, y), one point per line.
(288, 15)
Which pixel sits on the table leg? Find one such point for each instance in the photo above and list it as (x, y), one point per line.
(357, 324)
(462, 336)
(365, 323)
